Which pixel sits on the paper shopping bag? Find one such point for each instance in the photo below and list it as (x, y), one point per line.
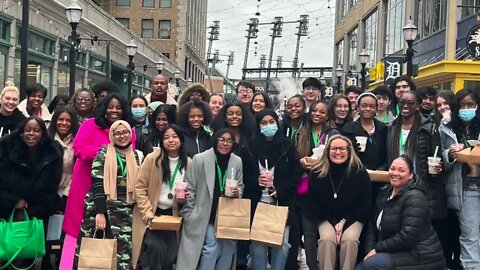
(96, 254)
(166, 223)
(269, 224)
(470, 155)
(233, 219)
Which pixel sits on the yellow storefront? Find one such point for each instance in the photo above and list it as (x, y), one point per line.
(443, 75)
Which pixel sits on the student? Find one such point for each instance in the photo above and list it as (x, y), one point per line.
(294, 117)
(216, 102)
(260, 101)
(339, 112)
(192, 116)
(10, 116)
(384, 98)
(312, 91)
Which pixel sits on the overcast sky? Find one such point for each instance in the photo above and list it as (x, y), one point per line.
(316, 49)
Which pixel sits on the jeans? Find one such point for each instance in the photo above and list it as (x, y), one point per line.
(216, 254)
(469, 219)
(279, 255)
(380, 261)
(310, 238)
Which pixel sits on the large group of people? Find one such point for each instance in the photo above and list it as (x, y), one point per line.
(110, 166)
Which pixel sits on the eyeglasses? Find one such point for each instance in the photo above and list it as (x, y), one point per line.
(225, 141)
(245, 91)
(82, 99)
(341, 149)
(118, 135)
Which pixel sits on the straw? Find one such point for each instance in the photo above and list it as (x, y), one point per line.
(326, 139)
(266, 164)
(233, 173)
(436, 151)
(288, 131)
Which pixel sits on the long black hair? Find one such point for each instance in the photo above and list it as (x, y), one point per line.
(463, 131)
(52, 128)
(182, 116)
(246, 127)
(53, 104)
(100, 118)
(163, 160)
(268, 102)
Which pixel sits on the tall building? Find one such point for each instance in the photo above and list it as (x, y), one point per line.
(175, 28)
(441, 47)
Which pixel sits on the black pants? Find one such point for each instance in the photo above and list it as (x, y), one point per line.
(448, 231)
(294, 238)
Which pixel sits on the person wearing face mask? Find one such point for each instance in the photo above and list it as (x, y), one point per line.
(449, 237)
(274, 184)
(10, 116)
(463, 179)
(141, 122)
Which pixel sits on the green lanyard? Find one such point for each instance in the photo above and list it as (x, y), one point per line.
(292, 133)
(398, 110)
(221, 178)
(385, 118)
(317, 139)
(122, 165)
(172, 180)
(403, 142)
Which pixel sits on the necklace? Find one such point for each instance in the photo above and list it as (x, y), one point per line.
(335, 191)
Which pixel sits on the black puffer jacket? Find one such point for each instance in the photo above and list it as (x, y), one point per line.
(196, 141)
(426, 140)
(406, 230)
(36, 181)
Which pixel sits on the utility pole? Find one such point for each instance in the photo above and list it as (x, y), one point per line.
(279, 64)
(276, 33)
(24, 47)
(214, 33)
(231, 57)
(251, 34)
(263, 61)
(302, 31)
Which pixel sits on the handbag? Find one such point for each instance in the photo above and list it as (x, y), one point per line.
(232, 221)
(21, 240)
(96, 254)
(269, 224)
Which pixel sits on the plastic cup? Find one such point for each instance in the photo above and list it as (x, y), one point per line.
(458, 146)
(362, 141)
(269, 176)
(318, 151)
(230, 185)
(180, 188)
(432, 163)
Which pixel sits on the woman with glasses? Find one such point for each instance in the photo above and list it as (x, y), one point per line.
(339, 200)
(93, 133)
(206, 178)
(83, 102)
(271, 172)
(463, 179)
(339, 111)
(114, 173)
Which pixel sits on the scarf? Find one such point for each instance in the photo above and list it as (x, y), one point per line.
(111, 166)
(68, 163)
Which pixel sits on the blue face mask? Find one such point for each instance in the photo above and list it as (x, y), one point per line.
(139, 112)
(269, 131)
(467, 114)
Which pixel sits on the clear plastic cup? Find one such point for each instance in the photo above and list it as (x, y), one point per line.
(432, 163)
(180, 189)
(230, 185)
(269, 176)
(362, 141)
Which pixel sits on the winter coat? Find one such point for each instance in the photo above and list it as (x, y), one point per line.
(426, 141)
(406, 231)
(45, 113)
(170, 99)
(87, 143)
(197, 209)
(9, 123)
(196, 141)
(286, 176)
(36, 181)
(375, 155)
(196, 87)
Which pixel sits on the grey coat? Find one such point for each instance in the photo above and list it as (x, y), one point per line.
(452, 169)
(196, 211)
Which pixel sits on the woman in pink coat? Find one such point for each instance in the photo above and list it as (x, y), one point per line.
(93, 133)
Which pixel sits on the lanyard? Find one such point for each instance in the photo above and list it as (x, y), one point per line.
(122, 165)
(403, 141)
(292, 133)
(221, 178)
(398, 110)
(385, 118)
(170, 183)
(316, 140)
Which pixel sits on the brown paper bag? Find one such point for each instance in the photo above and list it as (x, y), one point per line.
(96, 254)
(470, 155)
(166, 223)
(269, 224)
(378, 176)
(233, 219)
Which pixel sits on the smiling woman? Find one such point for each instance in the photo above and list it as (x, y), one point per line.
(10, 116)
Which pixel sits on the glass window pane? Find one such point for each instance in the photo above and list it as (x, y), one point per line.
(125, 22)
(147, 28)
(149, 3)
(352, 50)
(3, 64)
(340, 53)
(165, 3)
(165, 29)
(123, 3)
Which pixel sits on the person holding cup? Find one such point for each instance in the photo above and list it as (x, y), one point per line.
(206, 178)
(271, 171)
(152, 248)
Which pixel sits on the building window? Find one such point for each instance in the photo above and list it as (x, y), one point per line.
(431, 17)
(165, 3)
(124, 21)
(123, 3)
(164, 29)
(147, 28)
(370, 36)
(352, 50)
(340, 46)
(3, 66)
(467, 12)
(97, 64)
(149, 3)
(395, 18)
(5, 31)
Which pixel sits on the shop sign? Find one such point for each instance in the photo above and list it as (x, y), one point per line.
(473, 41)
(376, 72)
(393, 68)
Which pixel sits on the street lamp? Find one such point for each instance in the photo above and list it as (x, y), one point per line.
(339, 73)
(160, 65)
(131, 51)
(364, 59)
(177, 74)
(410, 32)
(74, 15)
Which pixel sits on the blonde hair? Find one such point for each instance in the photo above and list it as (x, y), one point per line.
(322, 167)
(10, 88)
